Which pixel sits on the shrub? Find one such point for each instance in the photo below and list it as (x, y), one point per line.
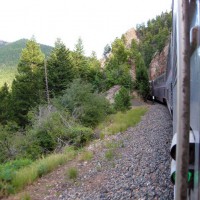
(7, 141)
(85, 105)
(8, 170)
(29, 146)
(45, 140)
(79, 135)
(7, 174)
(122, 100)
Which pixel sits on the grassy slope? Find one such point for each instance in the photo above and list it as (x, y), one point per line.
(9, 58)
(28, 174)
(120, 121)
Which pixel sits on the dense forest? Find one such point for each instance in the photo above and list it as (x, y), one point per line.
(59, 101)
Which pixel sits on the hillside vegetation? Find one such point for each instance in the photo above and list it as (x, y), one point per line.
(154, 35)
(2, 43)
(50, 108)
(9, 58)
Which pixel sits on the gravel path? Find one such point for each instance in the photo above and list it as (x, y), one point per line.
(140, 169)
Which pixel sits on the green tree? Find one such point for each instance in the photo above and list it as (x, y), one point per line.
(4, 104)
(122, 100)
(94, 71)
(154, 36)
(59, 69)
(117, 68)
(119, 51)
(85, 105)
(107, 50)
(28, 86)
(80, 61)
(142, 80)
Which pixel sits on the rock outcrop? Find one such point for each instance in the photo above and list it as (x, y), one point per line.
(129, 36)
(110, 94)
(158, 64)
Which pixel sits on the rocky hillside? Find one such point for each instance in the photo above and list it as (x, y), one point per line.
(129, 36)
(159, 63)
(138, 168)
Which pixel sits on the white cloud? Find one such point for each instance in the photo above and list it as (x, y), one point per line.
(96, 22)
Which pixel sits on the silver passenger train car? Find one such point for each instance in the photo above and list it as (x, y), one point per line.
(179, 88)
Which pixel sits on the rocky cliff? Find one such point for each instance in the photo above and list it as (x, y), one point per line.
(128, 36)
(158, 64)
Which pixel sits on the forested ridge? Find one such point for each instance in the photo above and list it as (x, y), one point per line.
(59, 101)
(9, 58)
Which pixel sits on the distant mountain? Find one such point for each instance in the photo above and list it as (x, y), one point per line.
(10, 52)
(2, 43)
(9, 58)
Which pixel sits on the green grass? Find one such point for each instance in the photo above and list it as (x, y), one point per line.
(109, 154)
(71, 152)
(72, 173)
(86, 155)
(7, 170)
(25, 196)
(120, 121)
(39, 168)
(114, 145)
(111, 147)
(28, 174)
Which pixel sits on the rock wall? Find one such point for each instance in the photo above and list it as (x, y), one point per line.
(129, 36)
(158, 64)
(133, 71)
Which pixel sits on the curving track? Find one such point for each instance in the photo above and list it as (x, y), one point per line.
(140, 170)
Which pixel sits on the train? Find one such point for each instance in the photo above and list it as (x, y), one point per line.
(179, 88)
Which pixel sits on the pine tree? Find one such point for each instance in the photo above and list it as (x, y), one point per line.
(94, 69)
(80, 61)
(59, 69)
(107, 50)
(28, 86)
(122, 100)
(142, 80)
(4, 104)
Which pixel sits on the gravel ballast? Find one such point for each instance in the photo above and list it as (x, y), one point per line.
(139, 169)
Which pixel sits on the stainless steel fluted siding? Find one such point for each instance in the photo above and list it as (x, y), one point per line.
(183, 97)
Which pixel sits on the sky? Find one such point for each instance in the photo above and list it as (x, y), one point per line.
(96, 22)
